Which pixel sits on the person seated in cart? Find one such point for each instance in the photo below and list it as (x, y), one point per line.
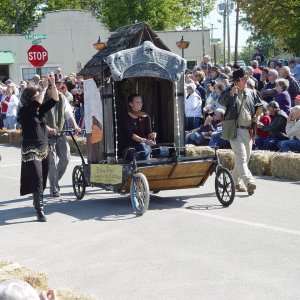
(139, 136)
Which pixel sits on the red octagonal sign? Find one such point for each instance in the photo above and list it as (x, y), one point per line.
(37, 55)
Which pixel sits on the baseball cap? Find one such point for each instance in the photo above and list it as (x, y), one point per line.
(273, 104)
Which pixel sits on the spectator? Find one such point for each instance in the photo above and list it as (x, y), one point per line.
(265, 119)
(15, 289)
(9, 107)
(198, 79)
(249, 73)
(258, 53)
(296, 70)
(293, 131)
(200, 136)
(193, 108)
(276, 128)
(269, 92)
(256, 71)
(283, 97)
(297, 100)
(206, 64)
(293, 88)
(36, 80)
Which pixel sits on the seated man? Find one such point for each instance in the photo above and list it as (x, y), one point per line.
(276, 128)
(200, 136)
(293, 131)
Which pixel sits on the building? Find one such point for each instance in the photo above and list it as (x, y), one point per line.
(68, 36)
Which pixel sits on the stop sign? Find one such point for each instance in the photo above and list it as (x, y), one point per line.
(37, 55)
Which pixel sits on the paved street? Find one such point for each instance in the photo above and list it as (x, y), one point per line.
(186, 246)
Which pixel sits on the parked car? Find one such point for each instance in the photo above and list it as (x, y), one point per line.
(241, 63)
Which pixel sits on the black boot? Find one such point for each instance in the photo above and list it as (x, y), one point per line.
(38, 205)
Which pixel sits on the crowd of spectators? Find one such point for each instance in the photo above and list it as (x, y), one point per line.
(71, 86)
(277, 86)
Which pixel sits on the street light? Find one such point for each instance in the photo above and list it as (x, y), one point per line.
(182, 44)
(99, 45)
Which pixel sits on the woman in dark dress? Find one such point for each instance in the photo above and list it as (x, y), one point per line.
(138, 132)
(34, 168)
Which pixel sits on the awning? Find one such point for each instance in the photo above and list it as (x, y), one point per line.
(6, 58)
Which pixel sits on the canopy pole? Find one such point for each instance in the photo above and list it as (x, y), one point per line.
(177, 117)
(116, 123)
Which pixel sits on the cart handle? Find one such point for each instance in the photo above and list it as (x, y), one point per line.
(71, 132)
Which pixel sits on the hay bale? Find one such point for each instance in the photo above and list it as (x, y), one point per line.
(4, 137)
(286, 165)
(39, 281)
(65, 294)
(203, 151)
(15, 138)
(81, 141)
(226, 158)
(11, 270)
(260, 162)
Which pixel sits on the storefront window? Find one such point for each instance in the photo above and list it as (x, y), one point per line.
(28, 73)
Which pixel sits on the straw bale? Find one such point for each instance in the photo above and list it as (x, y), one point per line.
(10, 270)
(226, 158)
(202, 151)
(286, 165)
(4, 137)
(81, 141)
(39, 281)
(15, 138)
(65, 294)
(260, 161)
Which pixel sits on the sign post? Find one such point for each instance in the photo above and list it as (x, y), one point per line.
(37, 55)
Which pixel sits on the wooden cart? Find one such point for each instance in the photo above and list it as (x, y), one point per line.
(156, 74)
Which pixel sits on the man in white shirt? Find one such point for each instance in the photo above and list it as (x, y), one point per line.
(59, 146)
(293, 131)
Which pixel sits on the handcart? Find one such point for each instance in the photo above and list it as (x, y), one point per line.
(141, 67)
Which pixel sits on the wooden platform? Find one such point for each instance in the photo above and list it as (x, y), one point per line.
(189, 174)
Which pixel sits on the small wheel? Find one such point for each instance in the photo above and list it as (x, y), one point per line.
(78, 182)
(224, 186)
(139, 193)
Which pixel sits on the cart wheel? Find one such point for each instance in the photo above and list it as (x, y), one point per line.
(139, 193)
(78, 182)
(224, 186)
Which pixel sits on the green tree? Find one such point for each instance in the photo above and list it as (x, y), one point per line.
(18, 16)
(275, 18)
(160, 14)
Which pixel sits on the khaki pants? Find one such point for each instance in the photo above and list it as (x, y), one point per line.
(241, 146)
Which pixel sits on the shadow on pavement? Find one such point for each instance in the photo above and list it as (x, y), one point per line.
(114, 208)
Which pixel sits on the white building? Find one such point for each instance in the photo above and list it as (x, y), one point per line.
(68, 36)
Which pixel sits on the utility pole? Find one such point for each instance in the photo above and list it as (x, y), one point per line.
(236, 31)
(202, 26)
(228, 31)
(212, 28)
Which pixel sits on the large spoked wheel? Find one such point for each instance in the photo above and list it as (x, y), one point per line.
(139, 193)
(224, 186)
(78, 182)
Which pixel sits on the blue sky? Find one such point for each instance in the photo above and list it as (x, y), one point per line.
(217, 20)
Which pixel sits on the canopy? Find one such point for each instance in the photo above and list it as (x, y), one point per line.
(146, 61)
(6, 58)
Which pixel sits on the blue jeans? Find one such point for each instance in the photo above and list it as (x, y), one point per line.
(289, 145)
(264, 143)
(195, 138)
(11, 122)
(141, 152)
(192, 123)
(217, 141)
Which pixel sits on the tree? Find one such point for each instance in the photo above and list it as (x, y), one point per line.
(276, 18)
(160, 14)
(18, 16)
